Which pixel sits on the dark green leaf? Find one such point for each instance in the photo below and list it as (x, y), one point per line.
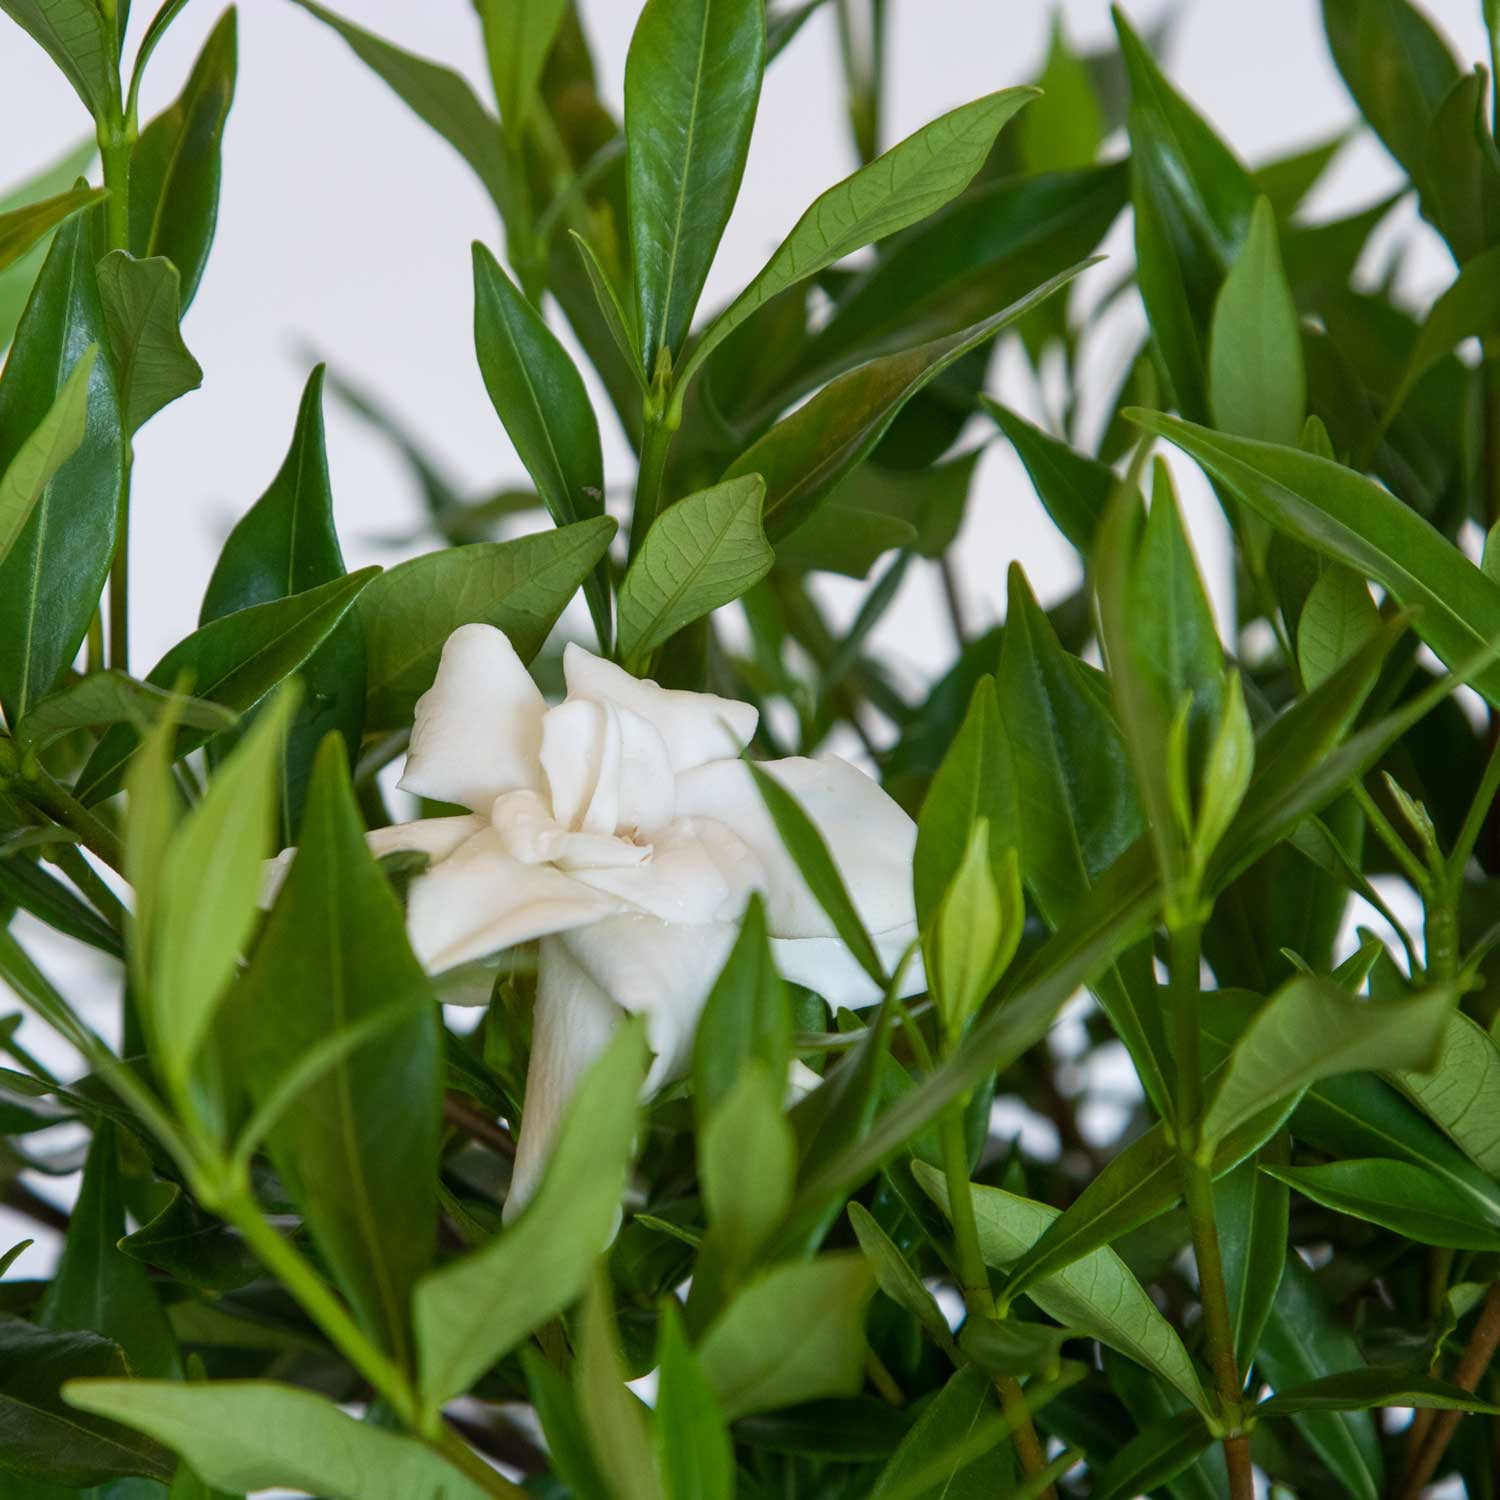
(1461, 1092)
(142, 299)
(193, 1247)
(115, 698)
(1358, 1390)
(896, 1278)
(1064, 128)
(518, 35)
(1251, 1208)
(520, 586)
(1153, 1458)
(77, 38)
(1073, 488)
(940, 1439)
(1469, 308)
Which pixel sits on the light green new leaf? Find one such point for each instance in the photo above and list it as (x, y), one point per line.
(1337, 618)
(1256, 379)
(1399, 1196)
(1461, 1093)
(612, 1413)
(1355, 521)
(22, 227)
(805, 454)
(473, 1310)
(142, 300)
(1312, 1029)
(520, 586)
(911, 180)
(794, 1334)
(518, 35)
(701, 552)
(207, 894)
(975, 931)
(438, 96)
(244, 1435)
(48, 448)
(77, 38)
(692, 81)
(748, 1166)
(1064, 128)
(1096, 1294)
(692, 1443)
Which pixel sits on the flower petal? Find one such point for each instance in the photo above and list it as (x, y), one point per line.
(660, 970)
(696, 727)
(478, 729)
(529, 832)
(573, 1022)
(581, 756)
(432, 836)
(870, 837)
(479, 900)
(824, 964)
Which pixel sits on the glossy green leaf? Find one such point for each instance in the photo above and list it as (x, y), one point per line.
(441, 98)
(693, 1446)
(895, 1277)
(617, 320)
(572, 1457)
(1469, 308)
(244, 1435)
(287, 544)
(1154, 1457)
(910, 181)
(1399, 1196)
(746, 1017)
(471, 1311)
(1287, 180)
(1311, 1029)
(692, 81)
(520, 586)
(701, 552)
(142, 299)
(16, 280)
(1461, 1092)
(518, 35)
(1073, 488)
(1337, 618)
(193, 1247)
(54, 569)
(54, 442)
(1096, 1294)
(45, 1439)
(747, 1165)
(77, 38)
(1251, 1208)
(540, 398)
(25, 883)
(23, 227)
(612, 1414)
(1358, 1390)
(1353, 520)
(1064, 128)
(206, 896)
(234, 662)
(1460, 175)
(1256, 379)
(805, 454)
(940, 1440)
(176, 164)
(975, 930)
(358, 1153)
(795, 1333)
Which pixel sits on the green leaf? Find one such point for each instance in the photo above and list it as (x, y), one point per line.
(471, 1311)
(1064, 128)
(572, 1458)
(896, 1278)
(142, 299)
(234, 662)
(1358, 1390)
(1251, 1208)
(1399, 1196)
(612, 1413)
(1303, 1342)
(1153, 1457)
(244, 1435)
(746, 1018)
(77, 38)
(1461, 1092)
(1355, 521)
(205, 896)
(287, 544)
(611, 309)
(540, 398)
(1287, 180)
(1096, 1295)
(53, 572)
(193, 1247)
(99, 1289)
(1074, 489)
(16, 280)
(23, 227)
(175, 166)
(438, 96)
(1257, 382)
(360, 1152)
(805, 454)
(520, 586)
(518, 35)
(1193, 201)
(910, 181)
(54, 442)
(795, 1333)
(47, 1441)
(701, 552)
(815, 864)
(1337, 618)
(692, 81)
(1311, 1029)
(1460, 179)
(935, 1452)
(693, 1445)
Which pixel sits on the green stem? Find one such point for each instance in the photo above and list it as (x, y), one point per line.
(464, 1458)
(656, 443)
(1185, 947)
(116, 143)
(59, 804)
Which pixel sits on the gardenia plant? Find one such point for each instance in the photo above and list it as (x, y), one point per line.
(1086, 1086)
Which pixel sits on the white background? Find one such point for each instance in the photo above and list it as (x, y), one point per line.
(345, 228)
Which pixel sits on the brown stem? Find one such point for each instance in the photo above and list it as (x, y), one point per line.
(19, 1197)
(500, 1440)
(460, 1113)
(1481, 1347)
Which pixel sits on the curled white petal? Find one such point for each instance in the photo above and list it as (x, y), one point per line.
(478, 727)
(827, 966)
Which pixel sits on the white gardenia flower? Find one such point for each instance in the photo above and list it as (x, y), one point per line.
(622, 830)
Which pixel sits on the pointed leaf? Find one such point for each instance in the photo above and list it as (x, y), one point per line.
(77, 38)
(693, 1445)
(1252, 1208)
(1073, 488)
(518, 35)
(21, 228)
(1359, 1390)
(1461, 1093)
(142, 299)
